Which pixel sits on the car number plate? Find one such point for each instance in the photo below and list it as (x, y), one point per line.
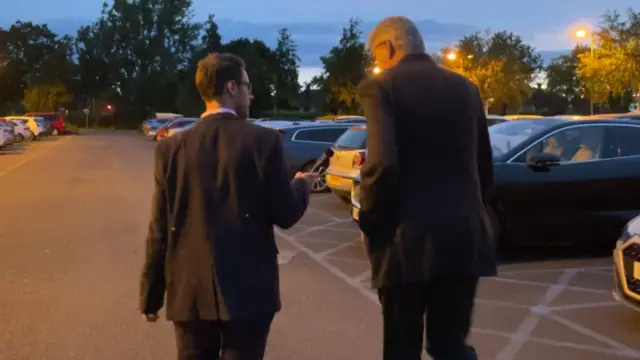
(636, 270)
(355, 212)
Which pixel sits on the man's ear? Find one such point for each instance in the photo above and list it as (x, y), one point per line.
(391, 49)
(231, 87)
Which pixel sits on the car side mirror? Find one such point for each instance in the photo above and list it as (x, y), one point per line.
(543, 161)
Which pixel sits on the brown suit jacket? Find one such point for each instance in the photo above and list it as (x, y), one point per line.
(220, 187)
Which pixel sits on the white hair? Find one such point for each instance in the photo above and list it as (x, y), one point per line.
(401, 32)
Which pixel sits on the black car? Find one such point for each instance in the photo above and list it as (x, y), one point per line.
(561, 181)
(304, 142)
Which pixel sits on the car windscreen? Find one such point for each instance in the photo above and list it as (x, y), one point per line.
(352, 139)
(508, 135)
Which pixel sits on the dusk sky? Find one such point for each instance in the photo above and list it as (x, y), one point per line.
(545, 23)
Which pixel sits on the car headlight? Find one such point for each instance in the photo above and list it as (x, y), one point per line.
(625, 236)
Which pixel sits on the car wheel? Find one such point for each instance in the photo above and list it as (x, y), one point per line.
(320, 185)
(54, 132)
(19, 138)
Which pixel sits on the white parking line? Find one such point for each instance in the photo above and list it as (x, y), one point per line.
(34, 156)
(338, 248)
(523, 333)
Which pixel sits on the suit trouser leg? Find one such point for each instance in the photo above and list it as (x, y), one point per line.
(198, 339)
(223, 340)
(403, 308)
(449, 314)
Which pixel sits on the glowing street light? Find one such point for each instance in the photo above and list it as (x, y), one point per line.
(581, 33)
(452, 56)
(377, 70)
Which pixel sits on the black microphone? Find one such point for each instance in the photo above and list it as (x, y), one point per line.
(326, 155)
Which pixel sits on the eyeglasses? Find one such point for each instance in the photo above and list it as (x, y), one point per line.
(248, 85)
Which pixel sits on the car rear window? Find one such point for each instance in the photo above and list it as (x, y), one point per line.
(49, 117)
(352, 139)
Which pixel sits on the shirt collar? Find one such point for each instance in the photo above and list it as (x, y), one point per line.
(217, 111)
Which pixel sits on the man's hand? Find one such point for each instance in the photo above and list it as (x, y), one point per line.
(309, 177)
(150, 317)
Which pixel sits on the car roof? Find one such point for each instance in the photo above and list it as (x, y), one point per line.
(290, 124)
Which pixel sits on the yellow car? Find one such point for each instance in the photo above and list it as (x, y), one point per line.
(626, 259)
(349, 154)
(522, 117)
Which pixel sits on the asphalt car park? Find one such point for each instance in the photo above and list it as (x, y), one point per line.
(75, 213)
(536, 308)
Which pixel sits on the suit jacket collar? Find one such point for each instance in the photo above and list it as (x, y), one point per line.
(221, 116)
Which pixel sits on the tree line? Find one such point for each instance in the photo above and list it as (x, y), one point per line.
(139, 57)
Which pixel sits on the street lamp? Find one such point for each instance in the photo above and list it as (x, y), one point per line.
(377, 70)
(582, 34)
(452, 56)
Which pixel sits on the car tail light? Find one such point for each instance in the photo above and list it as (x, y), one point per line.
(358, 159)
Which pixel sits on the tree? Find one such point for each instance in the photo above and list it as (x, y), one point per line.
(31, 55)
(210, 41)
(613, 70)
(142, 45)
(46, 97)
(344, 68)
(261, 66)
(500, 64)
(286, 74)
(562, 79)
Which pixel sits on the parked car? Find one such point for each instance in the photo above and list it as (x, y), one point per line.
(626, 260)
(44, 126)
(173, 127)
(348, 156)
(304, 142)
(20, 130)
(4, 138)
(7, 131)
(495, 119)
(150, 127)
(30, 122)
(53, 119)
(522, 117)
(561, 181)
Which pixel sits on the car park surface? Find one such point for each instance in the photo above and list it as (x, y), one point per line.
(69, 286)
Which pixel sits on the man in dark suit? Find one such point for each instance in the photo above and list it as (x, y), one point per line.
(424, 192)
(220, 187)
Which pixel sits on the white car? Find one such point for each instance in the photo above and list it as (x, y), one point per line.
(31, 123)
(626, 264)
(7, 130)
(21, 130)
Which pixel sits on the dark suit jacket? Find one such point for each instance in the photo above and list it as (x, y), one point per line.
(220, 187)
(427, 176)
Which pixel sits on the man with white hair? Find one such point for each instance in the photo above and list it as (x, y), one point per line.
(424, 193)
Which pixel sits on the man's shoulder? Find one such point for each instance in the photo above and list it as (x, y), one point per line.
(368, 85)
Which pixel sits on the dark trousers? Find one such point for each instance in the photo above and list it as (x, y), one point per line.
(224, 340)
(444, 305)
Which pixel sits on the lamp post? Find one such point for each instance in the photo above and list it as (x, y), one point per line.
(582, 34)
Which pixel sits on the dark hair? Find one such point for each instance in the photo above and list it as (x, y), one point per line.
(215, 71)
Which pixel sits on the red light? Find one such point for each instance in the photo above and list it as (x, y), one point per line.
(109, 107)
(358, 159)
